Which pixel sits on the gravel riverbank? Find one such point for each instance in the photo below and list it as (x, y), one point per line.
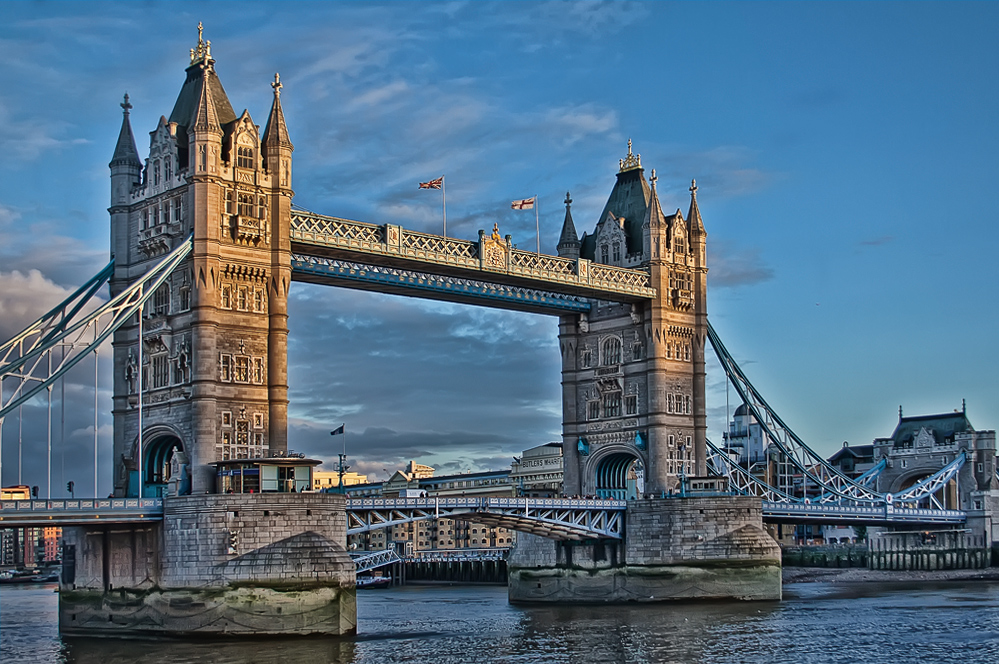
(860, 575)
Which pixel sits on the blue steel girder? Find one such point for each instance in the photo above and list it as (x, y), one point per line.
(348, 274)
(559, 519)
(491, 259)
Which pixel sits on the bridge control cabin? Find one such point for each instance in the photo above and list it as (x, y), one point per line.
(290, 474)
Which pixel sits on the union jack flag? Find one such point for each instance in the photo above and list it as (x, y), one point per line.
(433, 184)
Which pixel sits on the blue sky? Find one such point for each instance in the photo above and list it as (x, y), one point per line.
(845, 153)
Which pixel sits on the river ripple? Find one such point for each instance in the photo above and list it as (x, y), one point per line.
(816, 623)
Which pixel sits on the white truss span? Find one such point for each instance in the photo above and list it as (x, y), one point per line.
(369, 560)
(41, 354)
(491, 259)
(558, 519)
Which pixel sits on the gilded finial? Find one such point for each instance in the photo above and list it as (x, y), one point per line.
(125, 105)
(496, 235)
(568, 200)
(277, 84)
(203, 52)
(632, 161)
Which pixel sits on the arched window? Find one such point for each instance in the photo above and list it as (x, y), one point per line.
(612, 351)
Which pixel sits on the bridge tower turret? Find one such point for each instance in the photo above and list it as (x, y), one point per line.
(633, 374)
(214, 379)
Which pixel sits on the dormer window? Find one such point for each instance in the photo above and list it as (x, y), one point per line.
(167, 168)
(156, 173)
(244, 157)
(604, 254)
(617, 252)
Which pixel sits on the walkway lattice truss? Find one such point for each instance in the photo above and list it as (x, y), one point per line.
(37, 357)
(368, 561)
(552, 518)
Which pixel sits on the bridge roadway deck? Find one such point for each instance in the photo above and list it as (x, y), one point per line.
(556, 518)
(360, 255)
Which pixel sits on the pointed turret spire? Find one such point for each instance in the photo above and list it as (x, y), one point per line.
(276, 131)
(655, 236)
(205, 116)
(568, 241)
(125, 153)
(655, 212)
(694, 215)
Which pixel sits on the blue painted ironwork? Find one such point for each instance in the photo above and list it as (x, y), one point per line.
(423, 283)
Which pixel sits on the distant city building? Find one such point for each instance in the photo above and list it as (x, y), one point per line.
(329, 479)
(537, 473)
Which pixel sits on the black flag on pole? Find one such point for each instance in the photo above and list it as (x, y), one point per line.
(336, 431)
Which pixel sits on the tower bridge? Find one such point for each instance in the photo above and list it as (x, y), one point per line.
(205, 246)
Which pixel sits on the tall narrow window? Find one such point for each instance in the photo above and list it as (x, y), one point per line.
(631, 404)
(203, 157)
(593, 410)
(604, 254)
(161, 375)
(226, 299)
(161, 300)
(242, 369)
(612, 351)
(258, 301)
(156, 172)
(178, 209)
(261, 208)
(612, 404)
(617, 252)
(168, 168)
(258, 370)
(241, 303)
(225, 368)
(229, 197)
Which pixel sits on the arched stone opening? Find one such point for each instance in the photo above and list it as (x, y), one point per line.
(619, 475)
(165, 466)
(947, 495)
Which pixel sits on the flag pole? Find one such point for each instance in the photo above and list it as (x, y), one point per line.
(537, 224)
(444, 205)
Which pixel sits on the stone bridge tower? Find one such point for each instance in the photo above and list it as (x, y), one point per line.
(633, 375)
(213, 364)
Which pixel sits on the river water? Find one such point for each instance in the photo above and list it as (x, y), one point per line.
(816, 623)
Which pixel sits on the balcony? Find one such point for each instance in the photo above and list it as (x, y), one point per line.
(683, 299)
(155, 240)
(246, 229)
